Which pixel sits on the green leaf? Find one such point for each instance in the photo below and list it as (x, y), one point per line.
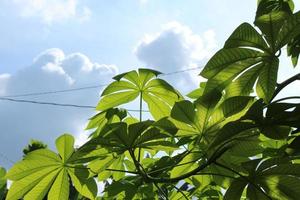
(235, 105)
(186, 164)
(254, 194)
(246, 36)
(157, 93)
(19, 188)
(275, 132)
(184, 111)
(41, 189)
(43, 172)
(247, 148)
(3, 189)
(276, 179)
(64, 145)
(235, 191)
(116, 99)
(83, 183)
(136, 130)
(205, 106)
(285, 187)
(60, 187)
(229, 57)
(289, 30)
(270, 24)
(229, 110)
(166, 126)
(282, 169)
(117, 86)
(195, 94)
(123, 189)
(293, 49)
(97, 166)
(245, 58)
(244, 84)
(233, 130)
(267, 80)
(255, 112)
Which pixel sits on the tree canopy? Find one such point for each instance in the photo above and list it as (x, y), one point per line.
(231, 138)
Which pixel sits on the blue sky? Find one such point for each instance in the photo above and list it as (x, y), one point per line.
(112, 28)
(62, 44)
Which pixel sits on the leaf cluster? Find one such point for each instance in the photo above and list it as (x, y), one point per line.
(231, 138)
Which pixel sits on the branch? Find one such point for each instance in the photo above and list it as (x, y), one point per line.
(164, 168)
(161, 191)
(284, 84)
(244, 177)
(191, 173)
(117, 170)
(179, 190)
(141, 108)
(138, 165)
(148, 178)
(285, 98)
(216, 174)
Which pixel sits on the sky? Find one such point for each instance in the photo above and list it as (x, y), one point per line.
(48, 45)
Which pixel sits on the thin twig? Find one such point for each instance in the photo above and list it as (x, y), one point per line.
(118, 170)
(161, 191)
(216, 174)
(285, 83)
(179, 190)
(285, 98)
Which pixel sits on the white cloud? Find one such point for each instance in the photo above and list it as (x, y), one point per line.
(50, 70)
(3, 82)
(143, 1)
(176, 47)
(50, 11)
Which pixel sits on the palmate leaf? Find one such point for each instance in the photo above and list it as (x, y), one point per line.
(268, 179)
(192, 118)
(119, 137)
(235, 191)
(111, 115)
(208, 114)
(157, 93)
(245, 58)
(288, 31)
(43, 172)
(293, 50)
(3, 189)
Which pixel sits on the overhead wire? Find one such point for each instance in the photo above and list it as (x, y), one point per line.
(57, 104)
(12, 98)
(55, 91)
(88, 87)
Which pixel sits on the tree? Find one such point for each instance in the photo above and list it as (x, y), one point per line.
(222, 142)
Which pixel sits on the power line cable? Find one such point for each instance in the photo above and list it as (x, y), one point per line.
(55, 91)
(88, 87)
(57, 104)
(45, 103)
(181, 71)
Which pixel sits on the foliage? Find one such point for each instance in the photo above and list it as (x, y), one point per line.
(223, 142)
(3, 183)
(34, 145)
(44, 172)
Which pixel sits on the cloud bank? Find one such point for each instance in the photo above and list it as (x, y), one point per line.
(50, 11)
(176, 47)
(51, 70)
